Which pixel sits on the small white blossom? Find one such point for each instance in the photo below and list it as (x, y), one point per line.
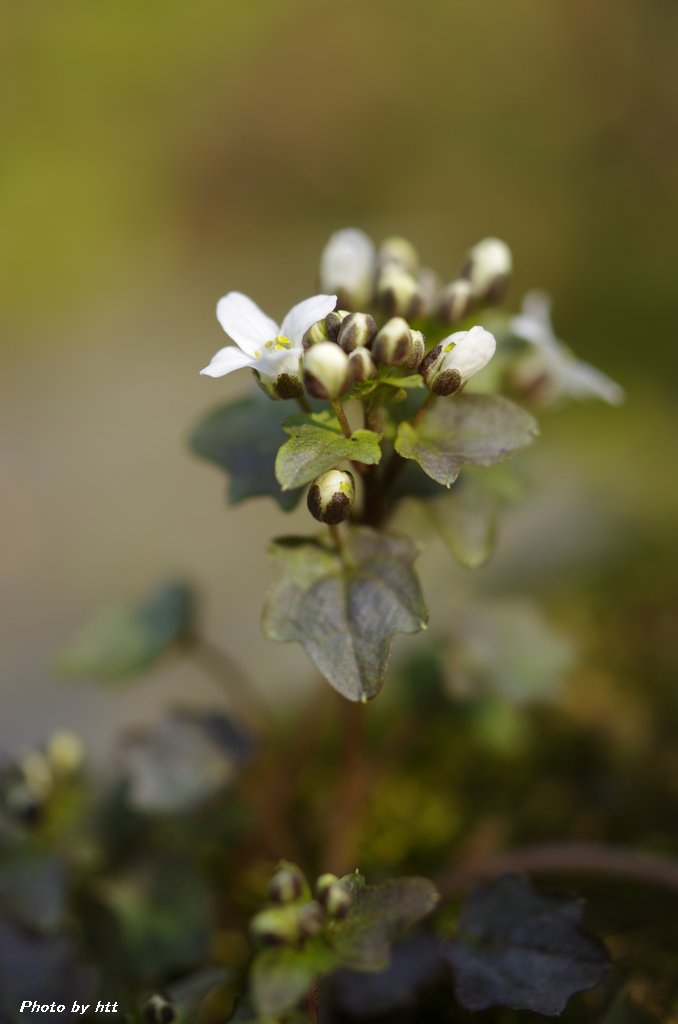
(273, 351)
(555, 369)
(347, 267)
(456, 359)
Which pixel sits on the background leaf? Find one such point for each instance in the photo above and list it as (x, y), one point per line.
(281, 977)
(345, 613)
(243, 438)
(480, 430)
(317, 444)
(523, 949)
(124, 640)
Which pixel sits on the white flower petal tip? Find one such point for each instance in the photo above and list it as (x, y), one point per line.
(244, 322)
(305, 314)
(226, 361)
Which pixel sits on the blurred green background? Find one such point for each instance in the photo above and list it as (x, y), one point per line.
(156, 155)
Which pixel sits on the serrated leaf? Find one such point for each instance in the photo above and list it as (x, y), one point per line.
(281, 977)
(479, 430)
(345, 611)
(317, 444)
(243, 438)
(523, 949)
(378, 917)
(126, 639)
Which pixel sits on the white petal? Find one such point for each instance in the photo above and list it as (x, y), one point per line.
(272, 364)
(585, 381)
(471, 353)
(226, 360)
(305, 314)
(347, 265)
(245, 323)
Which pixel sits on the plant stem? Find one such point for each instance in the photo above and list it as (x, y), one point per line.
(354, 784)
(341, 416)
(426, 404)
(302, 402)
(232, 679)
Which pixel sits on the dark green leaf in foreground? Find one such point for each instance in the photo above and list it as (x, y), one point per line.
(317, 444)
(345, 612)
(478, 430)
(282, 976)
(523, 949)
(379, 916)
(243, 438)
(126, 639)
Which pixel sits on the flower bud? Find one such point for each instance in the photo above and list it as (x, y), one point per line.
(489, 269)
(331, 496)
(326, 370)
(397, 250)
(333, 895)
(428, 285)
(418, 351)
(449, 365)
(357, 330)
(311, 918)
(333, 322)
(159, 1010)
(323, 884)
(455, 301)
(276, 926)
(65, 753)
(287, 884)
(316, 334)
(361, 365)
(347, 267)
(393, 344)
(398, 291)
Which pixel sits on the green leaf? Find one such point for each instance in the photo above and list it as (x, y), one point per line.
(345, 612)
(243, 438)
(466, 519)
(281, 977)
(523, 949)
(317, 444)
(124, 640)
(379, 915)
(479, 430)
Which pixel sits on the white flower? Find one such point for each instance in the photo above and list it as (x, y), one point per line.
(347, 267)
(450, 364)
(556, 371)
(273, 351)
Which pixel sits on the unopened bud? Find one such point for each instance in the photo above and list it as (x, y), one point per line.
(398, 291)
(489, 269)
(449, 365)
(159, 1010)
(333, 895)
(65, 753)
(311, 918)
(331, 496)
(37, 773)
(361, 365)
(276, 926)
(393, 344)
(397, 250)
(287, 884)
(326, 370)
(357, 330)
(455, 301)
(347, 267)
(333, 322)
(323, 884)
(316, 334)
(418, 351)
(428, 284)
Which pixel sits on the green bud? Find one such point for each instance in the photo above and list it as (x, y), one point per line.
(315, 335)
(455, 301)
(333, 322)
(337, 900)
(398, 291)
(393, 344)
(159, 1010)
(287, 884)
(276, 926)
(311, 919)
(397, 250)
(418, 351)
(331, 496)
(326, 371)
(358, 329)
(323, 884)
(361, 365)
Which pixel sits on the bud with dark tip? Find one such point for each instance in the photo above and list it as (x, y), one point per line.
(450, 364)
(488, 269)
(316, 334)
(331, 496)
(333, 895)
(398, 291)
(361, 365)
(428, 285)
(333, 322)
(455, 301)
(418, 351)
(277, 926)
(287, 884)
(311, 919)
(399, 252)
(347, 267)
(393, 344)
(323, 884)
(356, 331)
(159, 1010)
(326, 370)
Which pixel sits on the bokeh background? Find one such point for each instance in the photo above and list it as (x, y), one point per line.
(156, 155)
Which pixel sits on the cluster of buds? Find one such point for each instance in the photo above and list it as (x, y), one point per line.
(159, 1009)
(31, 779)
(294, 915)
